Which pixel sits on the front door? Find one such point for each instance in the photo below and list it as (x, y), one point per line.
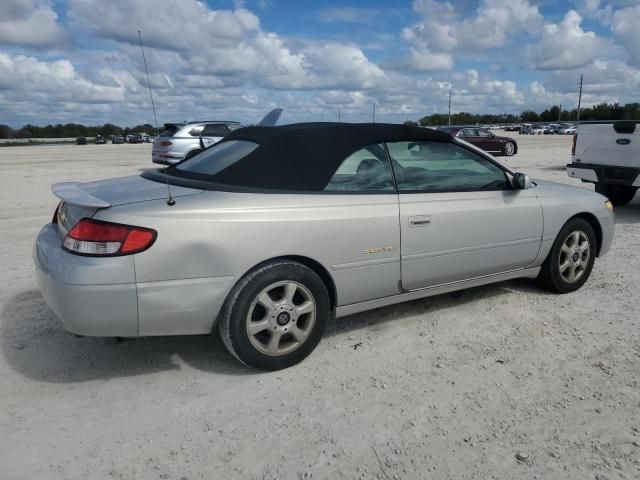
(459, 216)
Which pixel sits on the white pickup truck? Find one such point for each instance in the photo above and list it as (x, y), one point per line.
(608, 154)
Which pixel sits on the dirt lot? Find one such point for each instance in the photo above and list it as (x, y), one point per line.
(448, 387)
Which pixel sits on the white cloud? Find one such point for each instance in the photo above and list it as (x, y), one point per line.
(424, 60)
(228, 44)
(29, 24)
(358, 15)
(444, 28)
(566, 45)
(625, 23)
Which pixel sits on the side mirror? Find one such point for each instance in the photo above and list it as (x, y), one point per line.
(521, 181)
(201, 141)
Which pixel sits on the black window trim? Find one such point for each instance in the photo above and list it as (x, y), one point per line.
(189, 181)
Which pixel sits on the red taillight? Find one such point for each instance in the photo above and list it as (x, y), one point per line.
(105, 239)
(573, 147)
(165, 143)
(54, 220)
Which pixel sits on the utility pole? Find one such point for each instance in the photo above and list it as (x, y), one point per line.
(560, 113)
(339, 114)
(579, 98)
(374, 112)
(450, 91)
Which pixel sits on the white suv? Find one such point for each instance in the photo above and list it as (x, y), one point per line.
(183, 140)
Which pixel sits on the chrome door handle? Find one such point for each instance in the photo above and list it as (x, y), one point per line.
(420, 221)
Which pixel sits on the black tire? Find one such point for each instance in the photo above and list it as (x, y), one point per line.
(508, 149)
(550, 276)
(232, 324)
(192, 153)
(619, 195)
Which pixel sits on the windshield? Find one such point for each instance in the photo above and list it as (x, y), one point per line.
(217, 158)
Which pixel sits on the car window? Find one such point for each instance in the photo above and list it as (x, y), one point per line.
(483, 133)
(367, 169)
(424, 166)
(215, 130)
(169, 131)
(469, 132)
(215, 159)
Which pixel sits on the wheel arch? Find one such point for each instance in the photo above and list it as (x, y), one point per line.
(308, 262)
(595, 224)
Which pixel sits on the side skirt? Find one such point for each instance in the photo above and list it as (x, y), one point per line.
(436, 290)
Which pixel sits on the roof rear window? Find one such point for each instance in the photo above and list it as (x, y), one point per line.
(169, 131)
(217, 158)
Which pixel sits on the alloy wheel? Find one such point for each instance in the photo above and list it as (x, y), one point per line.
(281, 318)
(574, 257)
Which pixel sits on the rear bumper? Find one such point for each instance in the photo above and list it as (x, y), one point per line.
(100, 296)
(90, 296)
(164, 158)
(596, 173)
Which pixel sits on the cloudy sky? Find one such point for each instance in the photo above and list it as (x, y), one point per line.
(80, 61)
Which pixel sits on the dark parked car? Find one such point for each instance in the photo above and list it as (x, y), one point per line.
(81, 141)
(485, 140)
(117, 139)
(100, 140)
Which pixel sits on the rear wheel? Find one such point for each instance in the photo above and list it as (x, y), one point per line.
(275, 316)
(508, 149)
(571, 259)
(618, 194)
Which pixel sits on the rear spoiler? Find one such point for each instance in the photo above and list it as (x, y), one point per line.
(71, 192)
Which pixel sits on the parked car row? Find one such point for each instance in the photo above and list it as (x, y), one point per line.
(547, 129)
(115, 139)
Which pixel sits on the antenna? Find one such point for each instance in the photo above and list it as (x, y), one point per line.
(170, 201)
(374, 112)
(450, 92)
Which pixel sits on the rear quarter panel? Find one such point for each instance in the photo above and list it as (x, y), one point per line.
(220, 236)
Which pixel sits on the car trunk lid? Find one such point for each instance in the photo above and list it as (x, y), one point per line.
(83, 200)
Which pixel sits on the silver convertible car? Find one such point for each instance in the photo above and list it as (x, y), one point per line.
(274, 231)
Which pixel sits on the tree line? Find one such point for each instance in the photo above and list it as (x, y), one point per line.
(602, 111)
(72, 130)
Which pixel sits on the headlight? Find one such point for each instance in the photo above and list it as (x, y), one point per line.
(609, 205)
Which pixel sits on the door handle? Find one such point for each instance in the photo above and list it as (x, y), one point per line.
(420, 221)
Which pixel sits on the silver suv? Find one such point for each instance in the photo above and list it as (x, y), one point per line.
(183, 140)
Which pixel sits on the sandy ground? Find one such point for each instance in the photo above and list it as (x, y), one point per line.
(451, 387)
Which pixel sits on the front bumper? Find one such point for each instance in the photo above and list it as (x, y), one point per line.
(607, 224)
(607, 174)
(90, 296)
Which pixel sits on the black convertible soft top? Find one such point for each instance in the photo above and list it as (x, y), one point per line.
(304, 156)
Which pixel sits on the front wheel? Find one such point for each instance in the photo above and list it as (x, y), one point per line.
(508, 149)
(619, 195)
(571, 259)
(275, 316)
